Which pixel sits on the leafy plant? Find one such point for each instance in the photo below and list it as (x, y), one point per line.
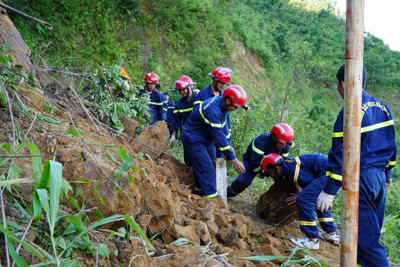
(114, 98)
(303, 257)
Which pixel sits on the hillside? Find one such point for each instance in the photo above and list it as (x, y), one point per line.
(285, 63)
(155, 191)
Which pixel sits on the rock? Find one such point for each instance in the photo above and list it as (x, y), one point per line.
(240, 219)
(276, 232)
(189, 232)
(242, 230)
(130, 126)
(272, 204)
(267, 250)
(227, 236)
(205, 215)
(212, 227)
(220, 202)
(221, 219)
(153, 140)
(241, 244)
(275, 242)
(203, 233)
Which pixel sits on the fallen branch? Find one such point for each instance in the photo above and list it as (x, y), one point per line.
(22, 14)
(84, 108)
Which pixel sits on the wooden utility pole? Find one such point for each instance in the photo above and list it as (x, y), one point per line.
(352, 130)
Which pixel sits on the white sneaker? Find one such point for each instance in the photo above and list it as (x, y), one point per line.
(332, 238)
(305, 242)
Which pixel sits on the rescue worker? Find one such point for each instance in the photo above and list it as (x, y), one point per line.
(278, 140)
(170, 113)
(156, 102)
(377, 158)
(164, 101)
(204, 126)
(221, 77)
(308, 172)
(184, 106)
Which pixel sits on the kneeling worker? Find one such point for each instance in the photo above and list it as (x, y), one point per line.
(278, 141)
(309, 172)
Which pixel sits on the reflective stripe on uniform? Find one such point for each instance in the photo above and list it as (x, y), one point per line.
(325, 219)
(306, 223)
(369, 128)
(391, 163)
(224, 148)
(216, 125)
(211, 196)
(257, 169)
(155, 103)
(297, 171)
(183, 110)
(255, 149)
(334, 176)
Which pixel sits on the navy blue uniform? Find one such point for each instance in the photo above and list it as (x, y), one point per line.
(308, 172)
(377, 158)
(156, 105)
(204, 126)
(183, 108)
(204, 94)
(258, 147)
(164, 105)
(170, 114)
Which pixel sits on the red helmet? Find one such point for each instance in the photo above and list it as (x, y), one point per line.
(196, 91)
(283, 132)
(184, 82)
(222, 75)
(236, 94)
(273, 159)
(151, 78)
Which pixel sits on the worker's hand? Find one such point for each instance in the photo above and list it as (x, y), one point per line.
(325, 202)
(291, 199)
(388, 182)
(238, 166)
(172, 140)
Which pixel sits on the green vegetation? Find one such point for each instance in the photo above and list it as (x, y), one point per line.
(299, 45)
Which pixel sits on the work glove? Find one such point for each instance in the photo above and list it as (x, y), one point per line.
(172, 140)
(325, 202)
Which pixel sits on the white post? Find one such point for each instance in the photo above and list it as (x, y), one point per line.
(220, 175)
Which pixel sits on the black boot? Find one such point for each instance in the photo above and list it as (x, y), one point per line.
(230, 193)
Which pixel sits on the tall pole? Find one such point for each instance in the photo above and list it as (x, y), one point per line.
(352, 130)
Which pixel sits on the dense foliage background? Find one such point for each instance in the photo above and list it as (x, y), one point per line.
(299, 46)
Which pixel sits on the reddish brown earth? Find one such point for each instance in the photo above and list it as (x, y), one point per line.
(159, 198)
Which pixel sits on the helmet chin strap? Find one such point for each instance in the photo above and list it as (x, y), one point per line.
(189, 95)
